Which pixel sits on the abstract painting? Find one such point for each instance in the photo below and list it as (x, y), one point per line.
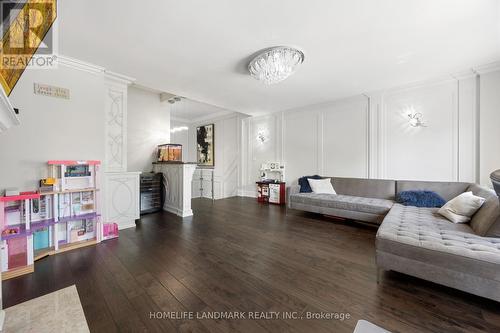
(205, 145)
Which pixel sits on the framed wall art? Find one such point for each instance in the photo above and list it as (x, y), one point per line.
(205, 145)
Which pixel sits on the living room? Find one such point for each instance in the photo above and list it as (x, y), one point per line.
(328, 166)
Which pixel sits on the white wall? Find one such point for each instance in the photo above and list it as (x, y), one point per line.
(370, 136)
(182, 138)
(226, 170)
(52, 128)
(326, 139)
(227, 155)
(421, 153)
(148, 126)
(490, 124)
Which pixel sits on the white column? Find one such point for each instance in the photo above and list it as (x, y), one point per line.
(116, 122)
(177, 178)
(120, 188)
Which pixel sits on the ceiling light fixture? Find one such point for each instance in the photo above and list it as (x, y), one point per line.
(275, 64)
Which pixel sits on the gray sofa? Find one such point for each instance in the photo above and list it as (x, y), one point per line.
(419, 241)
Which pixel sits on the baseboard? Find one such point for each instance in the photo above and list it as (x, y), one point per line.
(129, 224)
(177, 211)
(246, 193)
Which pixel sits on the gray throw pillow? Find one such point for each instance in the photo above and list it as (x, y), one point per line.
(488, 215)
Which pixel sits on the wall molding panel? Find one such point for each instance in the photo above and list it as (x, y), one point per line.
(121, 199)
(375, 128)
(121, 188)
(116, 123)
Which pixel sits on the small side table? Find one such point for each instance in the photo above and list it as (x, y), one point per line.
(271, 192)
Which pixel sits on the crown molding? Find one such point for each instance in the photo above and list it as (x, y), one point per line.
(94, 69)
(79, 64)
(318, 106)
(412, 85)
(467, 74)
(214, 117)
(119, 78)
(487, 68)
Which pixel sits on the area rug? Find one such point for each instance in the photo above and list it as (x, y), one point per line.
(60, 311)
(364, 326)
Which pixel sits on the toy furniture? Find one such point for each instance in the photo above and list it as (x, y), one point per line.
(63, 216)
(271, 188)
(109, 230)
(272, 171)
(16, 234)
(69, 214)
(271, 192)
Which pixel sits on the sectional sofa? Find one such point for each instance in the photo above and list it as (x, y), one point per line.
(418, 241)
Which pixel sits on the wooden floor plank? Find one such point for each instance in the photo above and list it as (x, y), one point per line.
(237, 255)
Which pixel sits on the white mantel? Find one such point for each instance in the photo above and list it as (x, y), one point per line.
(177, 179)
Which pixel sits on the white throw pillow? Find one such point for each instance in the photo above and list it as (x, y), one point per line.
(460, 209)
(321, 185)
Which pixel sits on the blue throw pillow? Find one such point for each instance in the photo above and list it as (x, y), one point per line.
(304, 183)
(428, 199)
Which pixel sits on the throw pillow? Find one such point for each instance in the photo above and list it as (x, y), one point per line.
(461, 208)
(321, 186)
(428, 199)
(304, 184)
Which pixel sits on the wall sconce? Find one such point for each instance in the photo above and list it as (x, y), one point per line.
(262, 137)
(416, 119)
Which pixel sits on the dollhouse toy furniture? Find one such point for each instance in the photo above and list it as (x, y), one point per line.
(272, 171)
(109, 231)
(271, 188)
(63, 216)
(67, 217)
(271, 192)
(16, 234)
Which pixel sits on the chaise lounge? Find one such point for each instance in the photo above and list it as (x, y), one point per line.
(418, 241)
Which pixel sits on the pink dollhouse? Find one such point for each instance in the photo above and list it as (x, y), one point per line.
(16, 234)
(60, 217)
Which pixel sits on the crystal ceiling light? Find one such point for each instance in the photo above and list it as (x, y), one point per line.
(275, 64)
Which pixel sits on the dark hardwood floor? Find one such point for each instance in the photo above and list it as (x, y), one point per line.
(236, 255)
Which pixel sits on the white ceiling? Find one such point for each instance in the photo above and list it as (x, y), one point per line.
(200, 49)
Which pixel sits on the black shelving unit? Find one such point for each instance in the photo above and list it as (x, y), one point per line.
(151, 192)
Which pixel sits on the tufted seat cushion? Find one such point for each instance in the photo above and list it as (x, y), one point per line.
(422, 235)
(344, 202)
